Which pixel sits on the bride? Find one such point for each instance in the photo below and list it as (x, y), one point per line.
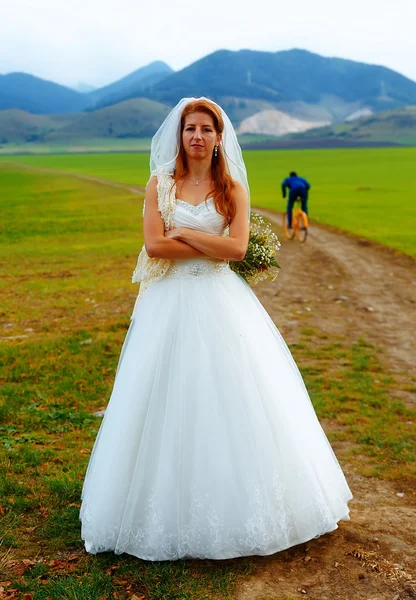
(210, 446)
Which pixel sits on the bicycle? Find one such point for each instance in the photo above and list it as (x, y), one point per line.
(300, 223)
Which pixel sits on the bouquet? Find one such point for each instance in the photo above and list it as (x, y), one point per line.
(260, 260)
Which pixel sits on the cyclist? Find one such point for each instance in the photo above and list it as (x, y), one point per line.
(298, 188)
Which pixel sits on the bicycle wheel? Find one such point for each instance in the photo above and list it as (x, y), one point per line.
(301, 228)
(289, 233)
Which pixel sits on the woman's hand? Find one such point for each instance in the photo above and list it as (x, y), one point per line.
(174, 234)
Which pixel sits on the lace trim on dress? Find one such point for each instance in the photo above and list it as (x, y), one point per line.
(195, 209)
(198, 268)
(270, 526)
(150, 269)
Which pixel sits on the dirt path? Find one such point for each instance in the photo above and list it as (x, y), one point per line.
(350, 285)
(347, 286)
(343, 285)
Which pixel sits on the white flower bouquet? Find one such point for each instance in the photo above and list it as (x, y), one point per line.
(260, 260)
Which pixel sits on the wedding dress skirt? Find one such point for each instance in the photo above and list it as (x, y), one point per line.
(209, 446)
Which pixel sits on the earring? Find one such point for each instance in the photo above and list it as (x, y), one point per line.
(216, 151)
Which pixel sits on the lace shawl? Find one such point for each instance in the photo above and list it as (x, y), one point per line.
(150, 269)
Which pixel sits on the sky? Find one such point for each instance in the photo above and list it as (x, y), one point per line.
(99, 41)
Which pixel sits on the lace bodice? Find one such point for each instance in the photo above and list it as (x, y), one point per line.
(206, 219)
(179, 213)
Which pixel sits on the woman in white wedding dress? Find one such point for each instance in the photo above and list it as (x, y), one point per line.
(210, 446)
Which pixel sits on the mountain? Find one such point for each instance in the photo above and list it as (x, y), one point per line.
(135, 118)
(264, 93)
(84, 88)
(301, 84)
(20, 126)
(130, 86)
(38, 96)
(138, 118)
(293, 81)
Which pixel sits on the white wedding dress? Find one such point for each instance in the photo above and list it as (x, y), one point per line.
(210, 446)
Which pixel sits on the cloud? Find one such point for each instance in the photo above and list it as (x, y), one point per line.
(98, 41)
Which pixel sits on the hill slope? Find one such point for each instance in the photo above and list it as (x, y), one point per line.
(275, 122)
(264, 93)
(392, 126)
(19, 126)
(38, 96)
(130, 86)
(288, 76)
(139, 117)
(301, 84)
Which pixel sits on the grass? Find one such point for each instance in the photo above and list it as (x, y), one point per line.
(89, 145)
(369, 192)
(120, 577)
(101, 145)
(350, 389)
(68, 249)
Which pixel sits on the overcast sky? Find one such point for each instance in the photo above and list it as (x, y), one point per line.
(99, 41)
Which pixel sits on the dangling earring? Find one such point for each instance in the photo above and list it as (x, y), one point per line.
(216, 151)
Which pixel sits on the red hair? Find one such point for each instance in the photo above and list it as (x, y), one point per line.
(223, 183)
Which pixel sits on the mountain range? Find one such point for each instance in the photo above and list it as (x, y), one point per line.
(266, 93)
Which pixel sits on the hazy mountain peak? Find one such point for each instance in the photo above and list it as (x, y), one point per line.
(84, 88)
(130, 85)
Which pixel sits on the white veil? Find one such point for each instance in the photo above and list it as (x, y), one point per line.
(166, 143)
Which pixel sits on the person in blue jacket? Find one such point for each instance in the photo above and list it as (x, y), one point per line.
(298, 188)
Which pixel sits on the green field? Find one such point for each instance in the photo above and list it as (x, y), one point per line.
(89, 145)
(67, 252)
(369, 192)
(101, 145)
(63, 236)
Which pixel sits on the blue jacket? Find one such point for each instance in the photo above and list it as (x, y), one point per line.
(295, 184)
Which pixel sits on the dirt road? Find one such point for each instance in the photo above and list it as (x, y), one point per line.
(347, 286)
(352, 286)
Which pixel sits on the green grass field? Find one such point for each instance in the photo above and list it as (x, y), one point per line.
(101, 145)
(88, 145)
(67, 251)
(369, 192)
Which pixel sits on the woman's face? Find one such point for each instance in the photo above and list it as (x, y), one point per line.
(199, 136)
